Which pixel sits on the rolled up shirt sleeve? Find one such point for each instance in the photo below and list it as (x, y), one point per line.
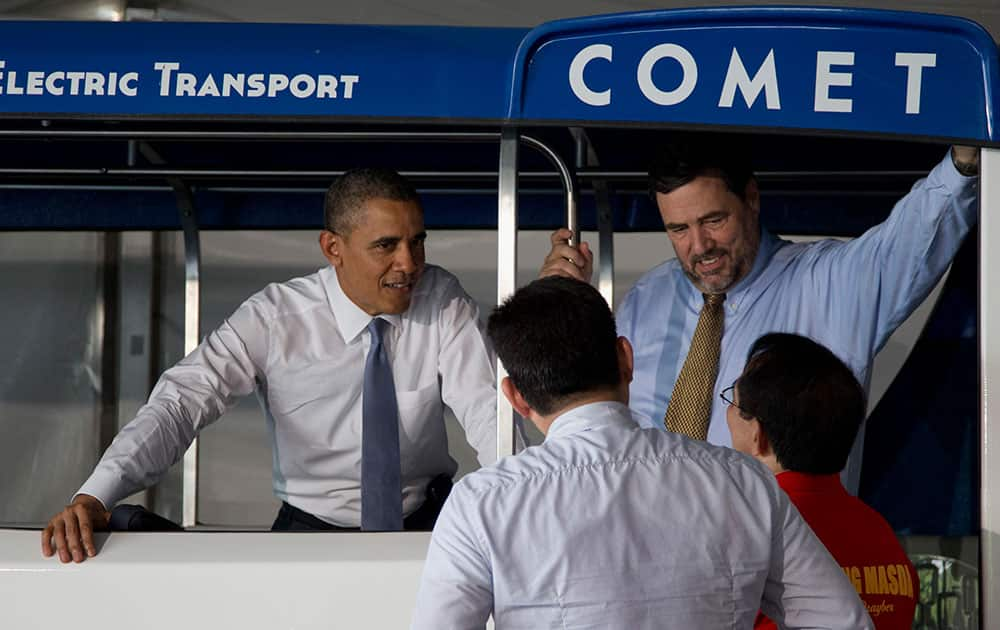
(187, 398)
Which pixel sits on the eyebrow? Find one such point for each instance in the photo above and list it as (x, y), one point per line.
(392, 240)
(714, 214)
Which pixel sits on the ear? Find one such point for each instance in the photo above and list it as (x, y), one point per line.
(759, 439)
(752, 196)
(515, 398)
(626, 360)
(331, 244)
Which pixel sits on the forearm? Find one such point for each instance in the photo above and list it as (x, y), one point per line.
(188, 397)
(140, 454)
(468, 380)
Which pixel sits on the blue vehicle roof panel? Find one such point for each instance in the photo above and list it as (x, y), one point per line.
(825, 69)
(845, 70)
(274, 70)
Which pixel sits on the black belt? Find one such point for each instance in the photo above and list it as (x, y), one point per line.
(291, 518)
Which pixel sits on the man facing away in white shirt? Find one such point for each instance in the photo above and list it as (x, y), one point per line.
(607, 525)
(302, 345)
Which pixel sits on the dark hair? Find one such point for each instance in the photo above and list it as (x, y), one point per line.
(348, 194)
(556, 337)
(688, 157)
(809, 404)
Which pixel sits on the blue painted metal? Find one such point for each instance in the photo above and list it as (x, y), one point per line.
(478, 78)
(958, 96)
(484, 75)
(379, 71)
(99, 210)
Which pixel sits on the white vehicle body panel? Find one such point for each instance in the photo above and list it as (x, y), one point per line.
(241, 580)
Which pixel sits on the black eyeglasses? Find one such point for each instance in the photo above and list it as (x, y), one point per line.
(728, 396)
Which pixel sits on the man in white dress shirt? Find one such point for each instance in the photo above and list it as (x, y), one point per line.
(302, 345)
(607, 525)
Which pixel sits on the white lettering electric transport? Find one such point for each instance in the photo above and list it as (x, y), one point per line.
(173, 82)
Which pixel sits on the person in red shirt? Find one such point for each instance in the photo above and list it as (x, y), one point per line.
(797, 408)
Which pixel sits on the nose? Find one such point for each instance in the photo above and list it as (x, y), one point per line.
(701, 241)
(407, 259)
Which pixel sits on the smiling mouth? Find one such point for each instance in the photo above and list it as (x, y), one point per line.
(709, 264)
(404, 285)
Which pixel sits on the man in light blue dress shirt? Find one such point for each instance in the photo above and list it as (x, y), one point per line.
(849, 296)
(607, 525)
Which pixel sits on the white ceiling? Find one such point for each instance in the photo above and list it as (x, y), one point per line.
(448, 12)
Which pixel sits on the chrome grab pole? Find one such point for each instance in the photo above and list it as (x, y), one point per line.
(192, 319)
(192, 325)
(569, 188)
(510, 138)
(506, 269)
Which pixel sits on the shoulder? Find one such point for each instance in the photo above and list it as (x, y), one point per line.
(652, 284)
(280, 299)
(674, 446)
(438, 284)
(694, 466)
(664, 273)
(651, 450)
(793, 250)
(505, 474)
(440, 296)
(801, 255)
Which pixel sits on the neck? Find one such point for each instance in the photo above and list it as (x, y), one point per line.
(772, 463)
(544, 422)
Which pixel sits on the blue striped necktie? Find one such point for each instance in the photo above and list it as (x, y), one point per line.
(381, 490)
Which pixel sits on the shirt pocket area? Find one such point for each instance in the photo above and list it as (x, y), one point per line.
(412, 403)
(421, 420)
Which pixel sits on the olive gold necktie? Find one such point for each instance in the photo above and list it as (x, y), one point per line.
(690, 405)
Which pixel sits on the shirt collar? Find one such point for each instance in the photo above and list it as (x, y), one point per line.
(768, 245)
(351, 320)
(791, 481)
(591, 416)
